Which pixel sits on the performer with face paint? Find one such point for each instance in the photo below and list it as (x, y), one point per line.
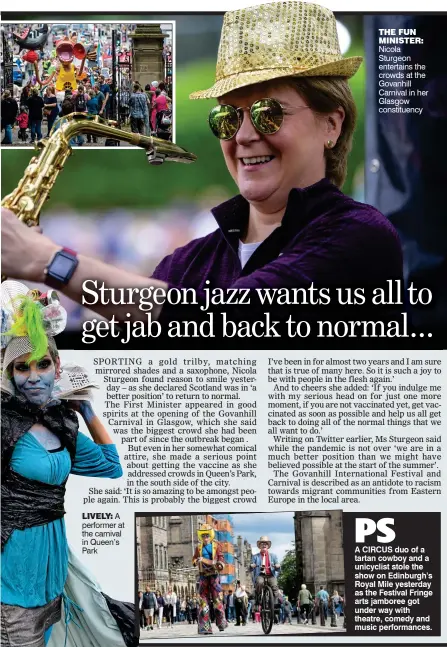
(41, 446)
(209, 558)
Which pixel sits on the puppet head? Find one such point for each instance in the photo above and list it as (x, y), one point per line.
(64, 51)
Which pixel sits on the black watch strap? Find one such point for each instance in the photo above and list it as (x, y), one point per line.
(61, 268)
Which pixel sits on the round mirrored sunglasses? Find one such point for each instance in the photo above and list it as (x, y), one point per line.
(266, 115)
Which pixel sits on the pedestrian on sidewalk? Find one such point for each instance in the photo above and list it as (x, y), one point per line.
(194, 611)
(22, 122)
(189, 608)
(183, 610)
(9, 114)
(161, 608)
(240, 605)
(304, 603)
(171, 601)
(149, 607)
(230, 606)
(92, 109)
(35, 107)
(287, 608)
(51, 108)
(140, 608)
(323, 596)
(138, 110)
(338, 603)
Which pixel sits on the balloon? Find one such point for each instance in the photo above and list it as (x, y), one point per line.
(30, 57)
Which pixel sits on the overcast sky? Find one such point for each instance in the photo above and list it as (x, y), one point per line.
(277, 525)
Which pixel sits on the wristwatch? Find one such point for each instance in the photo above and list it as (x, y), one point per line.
(61, 268)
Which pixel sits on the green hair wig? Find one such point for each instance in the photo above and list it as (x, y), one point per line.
(29, 323)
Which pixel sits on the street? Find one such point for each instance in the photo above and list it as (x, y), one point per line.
(185, 630)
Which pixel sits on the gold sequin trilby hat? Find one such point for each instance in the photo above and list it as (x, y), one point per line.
(275, 40)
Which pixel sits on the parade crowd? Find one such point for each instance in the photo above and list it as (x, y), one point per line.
(147, 111)
(37, 106)
(157, 610)
(50, 86)
(150, 110)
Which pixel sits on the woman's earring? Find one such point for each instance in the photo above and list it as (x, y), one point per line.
(329, 143)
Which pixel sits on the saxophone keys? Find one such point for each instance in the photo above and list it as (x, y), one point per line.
(26, 206)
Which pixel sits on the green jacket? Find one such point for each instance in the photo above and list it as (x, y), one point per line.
(305, 597)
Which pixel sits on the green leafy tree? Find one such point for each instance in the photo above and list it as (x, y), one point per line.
(287, 579)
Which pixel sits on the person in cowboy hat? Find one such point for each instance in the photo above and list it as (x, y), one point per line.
(265, 563)
(209, 558)
(285, 119)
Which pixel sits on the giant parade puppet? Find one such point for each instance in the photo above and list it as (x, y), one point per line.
(65, 75)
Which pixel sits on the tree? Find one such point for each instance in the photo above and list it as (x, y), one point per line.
(287, 579)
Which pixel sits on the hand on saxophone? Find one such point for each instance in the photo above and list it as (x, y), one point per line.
(25, 251)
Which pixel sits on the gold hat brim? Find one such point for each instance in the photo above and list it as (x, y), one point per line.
(344, 67)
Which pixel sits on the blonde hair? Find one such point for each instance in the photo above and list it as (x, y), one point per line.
(324, 95)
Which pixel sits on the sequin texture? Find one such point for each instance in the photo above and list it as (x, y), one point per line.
(275, 40)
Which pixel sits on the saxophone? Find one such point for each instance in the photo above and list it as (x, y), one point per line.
(27, 200)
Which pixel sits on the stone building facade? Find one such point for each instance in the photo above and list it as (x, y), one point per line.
(165, 546)
(319, 549)
(152, 552)
(147, 53)
(182, 539)
(242, 558)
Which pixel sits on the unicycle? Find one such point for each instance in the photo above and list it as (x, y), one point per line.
(267, 606)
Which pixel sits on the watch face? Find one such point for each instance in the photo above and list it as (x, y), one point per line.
(61, 266)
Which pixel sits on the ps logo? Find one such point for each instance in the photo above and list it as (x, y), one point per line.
(365, 527)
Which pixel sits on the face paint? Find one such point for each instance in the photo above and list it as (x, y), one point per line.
(87, 411)
(34, 381)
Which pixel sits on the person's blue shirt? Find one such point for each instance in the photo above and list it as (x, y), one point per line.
(93, 105)
(138, 105)
(323, 595)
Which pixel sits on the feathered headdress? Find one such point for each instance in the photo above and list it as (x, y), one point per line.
(29, 321)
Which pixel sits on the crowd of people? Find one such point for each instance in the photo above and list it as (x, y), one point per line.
(157, 608)
(47, 87)
(150, 110)
(147, 111)
(322, 602)
(37, 106)
(240, 607)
